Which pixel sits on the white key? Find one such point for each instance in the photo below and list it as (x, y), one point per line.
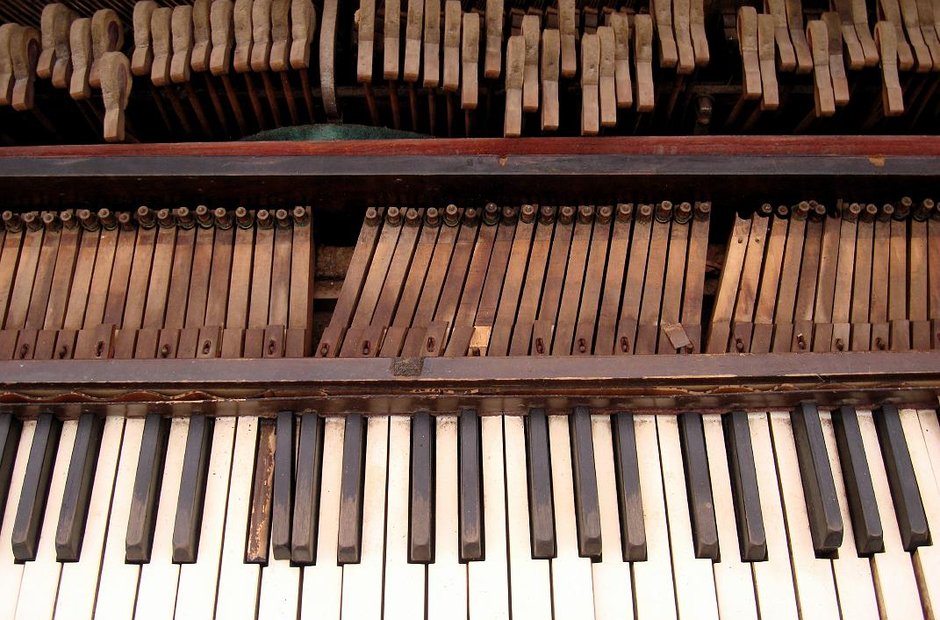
(11, 574)
(279, 589)
(362, 582)
(79, 581)
(734, 583)
(531, 585)
(323, 582)
(895, 582)
(41, 576)
(695, 595)
(926, 560)
(196, 595)
(238, 581)
(404, 582)
(815, 587)
(489, 588)
(160, 577)
(447, 577)
(773, 579)
(571, 574)
(117, 588)
(612, 580)
(852, 573)
(652, 579)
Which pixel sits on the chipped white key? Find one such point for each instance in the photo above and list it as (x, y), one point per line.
(362, 582)
(196, 595)
(404, 582)
(325, 578)
(612, 579)
(447, 577)
(79, 580)
(530, 578)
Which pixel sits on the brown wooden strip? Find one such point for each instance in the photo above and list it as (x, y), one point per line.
(9, 259)
(917, 290)
(279, 304)
(590, 295)
(897, 284)
(26, 272)
(223, 243)
(826, 284)
(574, 282)
(881, 256)
(695, 275)
(197, 300)
(458, 270)
(743, 318)
(674, 283)
(259, 302)
(239, 290)
(502, 288)
(861, 286)
(933, 268)
(101, 277)
(182, 271)
(719, 332)
(160, 272)
(789, 279)
(842, 301)
(648, 326)
(303, 257)
(613, 280)
(554, 282)
(769, 284)
(636, 271)
(135, 293)
(85, 263)
(526, 268)
(398, 269)
(802, 337)
(45, 268)
(528, 303)
(63, 272)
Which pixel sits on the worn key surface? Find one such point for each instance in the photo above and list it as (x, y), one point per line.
(32, 505)
(10, 428)
(585, 485)
(307, 491)
(698, 486)
(541, 510)
(470, 481)
(259, 521)
(143, 514)
(349, 546)
(818, 486)
(743, 471)
(863, 507)
(421, 513)
(189, 508)
(283, 486)
(908, 505)
(78, 486)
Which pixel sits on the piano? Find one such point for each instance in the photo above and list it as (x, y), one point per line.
(611, 310)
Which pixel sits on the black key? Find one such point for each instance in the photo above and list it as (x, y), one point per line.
(586, 503)
(283, 486)
(470, 483)
(307, 491)
(908, 506)
(188, 525)
(629, 497)
(259, 521)
(81, 477)
(421, 514)
(349, 548)
(863, 507)
(744, 492)
(35, 491)
(541, 507)
(10, 428)
(698, 486)
(822, 505)
(146, 496)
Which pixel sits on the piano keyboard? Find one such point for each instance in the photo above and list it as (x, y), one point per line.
(776, 514)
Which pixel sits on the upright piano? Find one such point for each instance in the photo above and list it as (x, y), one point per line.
(464, 309)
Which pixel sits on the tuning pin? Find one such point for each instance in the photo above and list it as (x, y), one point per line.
(604, 214)
(624, 211)
(869, 213)
(302, 216)
(903, 208)
(509, 214)
(490, 214)
(50, 221)
(393, 216)
(165, 218)
(223, 219)
(12, 222)
(372, 216)
(32, 221)
(243, 217)
(471, 216)
(432, 217)
(527, 213)
(412, 218)
(88, 220)
(184, 218)
(801, 211)
(765, 210)
(264, 219)
(451, 215)
(282, 218)
(145, 217)
(68, 220)
(585, 214)
(925, 210)
(887, 212)
(664, 211)
(683, 212)
(107, 219)
(851, 212)
(547, 215)
(125, 221)
(645, 213)
(203, 216)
